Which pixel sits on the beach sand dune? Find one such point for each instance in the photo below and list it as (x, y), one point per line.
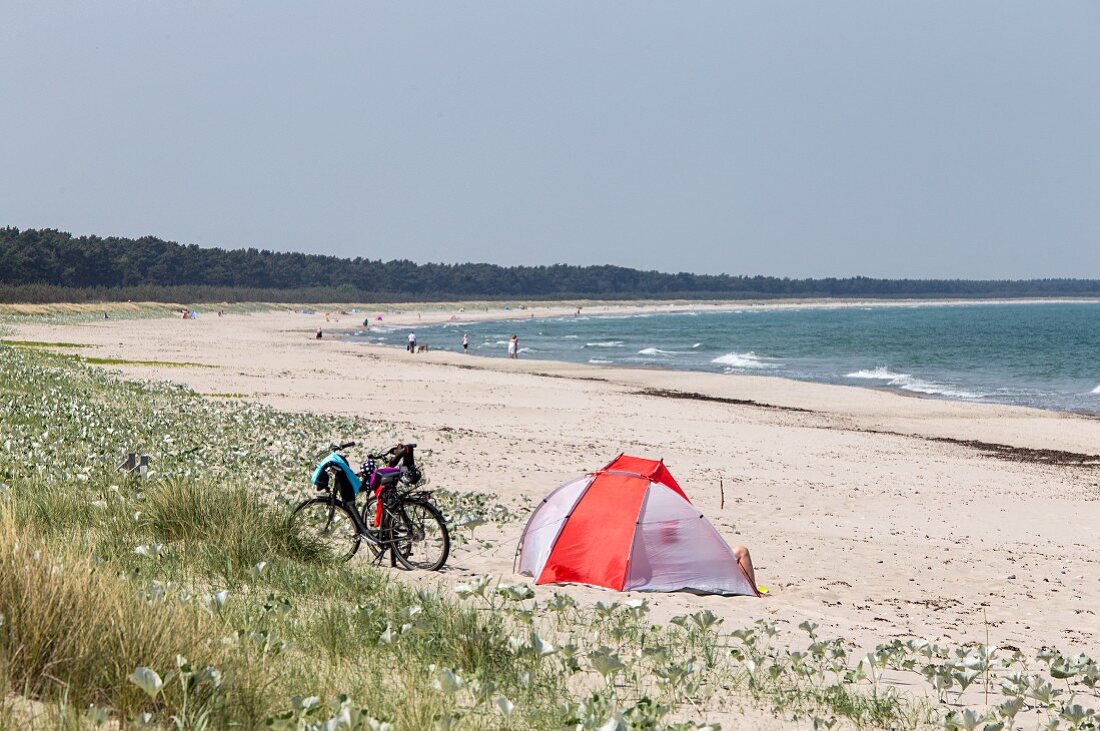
(875, 515)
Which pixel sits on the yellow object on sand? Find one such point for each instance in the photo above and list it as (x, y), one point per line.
(762, 589)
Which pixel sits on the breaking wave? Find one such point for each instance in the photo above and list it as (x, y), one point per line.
(655, 351)
(605, 344)
(744, 360)
(877, 374)
(907, 382)
(1096, 390)
(935, 389)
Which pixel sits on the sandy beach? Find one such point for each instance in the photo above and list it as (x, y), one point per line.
(873, 514)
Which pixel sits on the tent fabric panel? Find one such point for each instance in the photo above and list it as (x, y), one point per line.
(675, 548)
(594, 545)
(545, 524)
(651, 468)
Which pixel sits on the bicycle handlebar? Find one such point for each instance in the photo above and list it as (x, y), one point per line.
(346, 445)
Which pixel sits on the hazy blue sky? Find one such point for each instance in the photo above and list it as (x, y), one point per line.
(789, 138)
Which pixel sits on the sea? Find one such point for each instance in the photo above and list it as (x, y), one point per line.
(1039, 354)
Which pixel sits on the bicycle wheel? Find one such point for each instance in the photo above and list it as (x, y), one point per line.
(420, 536)
(328, 525)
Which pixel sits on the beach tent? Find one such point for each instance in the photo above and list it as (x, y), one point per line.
(628, 527)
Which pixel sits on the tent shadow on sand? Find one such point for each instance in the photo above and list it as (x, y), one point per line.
(628, 527)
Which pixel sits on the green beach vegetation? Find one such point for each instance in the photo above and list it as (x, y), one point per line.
(42, 344)
(178, 599)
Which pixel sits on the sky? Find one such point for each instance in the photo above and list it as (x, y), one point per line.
(919, 139)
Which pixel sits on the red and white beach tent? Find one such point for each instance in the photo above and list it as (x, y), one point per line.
(628, 527)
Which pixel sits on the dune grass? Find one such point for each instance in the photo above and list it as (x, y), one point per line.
(93, 590)
(76, 631)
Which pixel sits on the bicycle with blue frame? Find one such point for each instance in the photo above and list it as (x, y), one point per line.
(396, 520)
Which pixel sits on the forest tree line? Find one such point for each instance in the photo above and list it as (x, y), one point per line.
(45, 265)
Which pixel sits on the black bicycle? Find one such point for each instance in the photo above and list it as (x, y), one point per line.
(396, 519)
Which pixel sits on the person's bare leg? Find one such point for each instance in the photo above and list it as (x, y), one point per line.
(745, 560)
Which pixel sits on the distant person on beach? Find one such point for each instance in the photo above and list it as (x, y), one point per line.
(513, 347)
(412, 342)
(106, 316)
(466, 343)
(320, 334)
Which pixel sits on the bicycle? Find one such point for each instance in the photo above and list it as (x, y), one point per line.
(396, 518)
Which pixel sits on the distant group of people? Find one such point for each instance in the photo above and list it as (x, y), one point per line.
(185, 314)
(412, 346)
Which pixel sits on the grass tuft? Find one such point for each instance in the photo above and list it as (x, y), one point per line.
(74, 631)
(230, 528)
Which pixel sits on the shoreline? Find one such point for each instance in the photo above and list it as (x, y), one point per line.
(987, 396)
(781, 394)
(346, 337)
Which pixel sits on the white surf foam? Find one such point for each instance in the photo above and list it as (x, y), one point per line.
(881, 373)
(599, 361)
(655, 351)
(907, 382)
(744, 360)
(605, 344)
(696, 345)
(934, 389)
(1096, 391)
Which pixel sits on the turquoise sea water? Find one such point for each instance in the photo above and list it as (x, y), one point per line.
(1044, 355)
